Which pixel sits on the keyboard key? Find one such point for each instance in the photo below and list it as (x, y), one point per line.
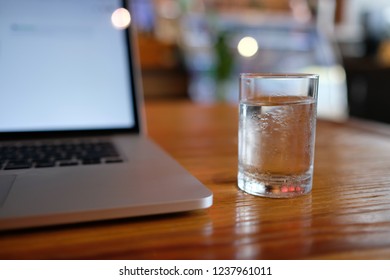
(91, 161)
(44, 164)
(68, 163)
(17, 165)
(114, 160)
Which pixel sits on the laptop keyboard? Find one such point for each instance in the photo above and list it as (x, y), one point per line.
(57, 154)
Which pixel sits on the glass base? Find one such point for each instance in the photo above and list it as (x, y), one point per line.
(275, 186)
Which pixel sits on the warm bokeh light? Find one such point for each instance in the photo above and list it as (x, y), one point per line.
(247, 47)
(121, 18)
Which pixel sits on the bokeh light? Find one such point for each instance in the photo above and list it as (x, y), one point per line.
(247, 46)
(121, 18)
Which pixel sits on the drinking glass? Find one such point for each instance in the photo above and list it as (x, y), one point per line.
(277, 123)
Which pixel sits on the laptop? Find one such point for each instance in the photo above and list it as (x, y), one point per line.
(73, 146)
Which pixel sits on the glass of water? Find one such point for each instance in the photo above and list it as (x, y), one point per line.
(277, 124)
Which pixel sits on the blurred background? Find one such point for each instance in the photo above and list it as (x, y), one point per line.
(195, 49)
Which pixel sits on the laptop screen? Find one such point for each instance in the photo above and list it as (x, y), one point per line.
(64, 66)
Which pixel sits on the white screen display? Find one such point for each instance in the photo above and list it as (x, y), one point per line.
(63, 66)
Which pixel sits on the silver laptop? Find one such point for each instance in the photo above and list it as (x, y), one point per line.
(72, 147)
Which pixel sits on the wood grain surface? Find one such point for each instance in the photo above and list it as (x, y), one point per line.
(347, 215)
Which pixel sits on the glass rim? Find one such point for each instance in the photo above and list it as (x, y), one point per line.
(279, 75)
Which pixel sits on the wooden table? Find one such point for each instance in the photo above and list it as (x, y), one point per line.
(347, 215)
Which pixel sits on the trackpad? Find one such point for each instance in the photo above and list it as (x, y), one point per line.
(6, 182)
